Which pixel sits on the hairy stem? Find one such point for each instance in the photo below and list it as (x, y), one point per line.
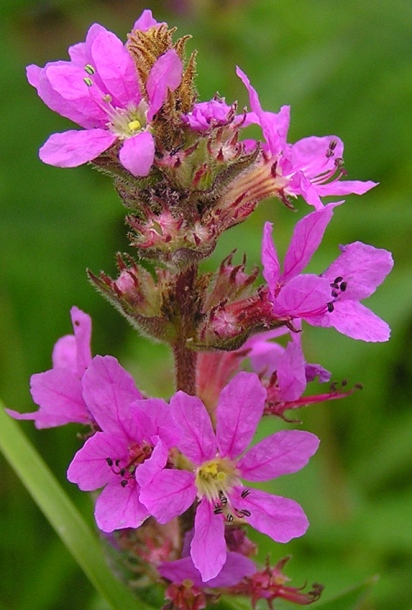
(186, 303)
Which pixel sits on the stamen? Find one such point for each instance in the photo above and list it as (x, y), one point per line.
(88, 81)
(134, 125)
(89, 69)
(222, 498)
(330, 307)
(245, 493)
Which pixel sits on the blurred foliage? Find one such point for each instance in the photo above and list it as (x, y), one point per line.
(345, 68)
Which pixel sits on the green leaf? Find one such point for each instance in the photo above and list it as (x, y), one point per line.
(351, 598)
(63, 516)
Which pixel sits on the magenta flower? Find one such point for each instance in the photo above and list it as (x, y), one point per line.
(235, 568)
(331, 298)
(289, 365)
(213, 464)
(205, 115)
(135, 437)
(58, 392)
(312, 167)
(99, 90)
(354, 276)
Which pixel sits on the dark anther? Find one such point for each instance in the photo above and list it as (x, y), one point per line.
(229, 518)
(124, 482)
(338, 279)
(122, 472)
(343, 286)
(245, 493)
(335, 293)
(245, 512)
(222, 498)
(218, 510)
(331, 307)
(109, 462)
(334, 285)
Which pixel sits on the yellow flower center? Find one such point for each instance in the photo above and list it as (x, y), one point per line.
(215, 478)
(134, 125)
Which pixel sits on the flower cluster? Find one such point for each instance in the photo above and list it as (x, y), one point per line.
(179, 479)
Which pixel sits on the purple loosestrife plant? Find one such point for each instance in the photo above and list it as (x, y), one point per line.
(58, 392)
(331, 298)
(133, 440)
(175, 501)
(214, 464)
(99, 90)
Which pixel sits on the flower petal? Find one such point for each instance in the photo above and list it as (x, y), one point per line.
(165, 74)
(153, 465)
(169, 494)
(274, 126)
(137, 154)
(291, 372)
(115, 67)
(363, 268)
(270, 260)
(239, 410)
(280, 518)
(89, 468)
(82, 326)
(345, 187)
(282, 453)
(64, 355)
(146, 21)
(303, 296)
(73, 148)
(307, 236)
(237, 566)
(356, 321)
(58, 392)
(316, 155)
(79, 53)
(109, 391)
(153, 417)
(208, 547)
(119, 507)
(63, 88)
(197, 440)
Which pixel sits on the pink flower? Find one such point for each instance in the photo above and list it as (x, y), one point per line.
(292, 372)
(208, 114)
(235, 568)
(99, 90)
(312, 167)
(212, 467)
(354, 276)
(134, 439)
(331, 298)
(58, 392)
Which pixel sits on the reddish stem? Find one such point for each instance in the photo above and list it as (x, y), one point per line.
(185, 298)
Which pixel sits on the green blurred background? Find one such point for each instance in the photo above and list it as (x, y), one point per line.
(346, 68)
